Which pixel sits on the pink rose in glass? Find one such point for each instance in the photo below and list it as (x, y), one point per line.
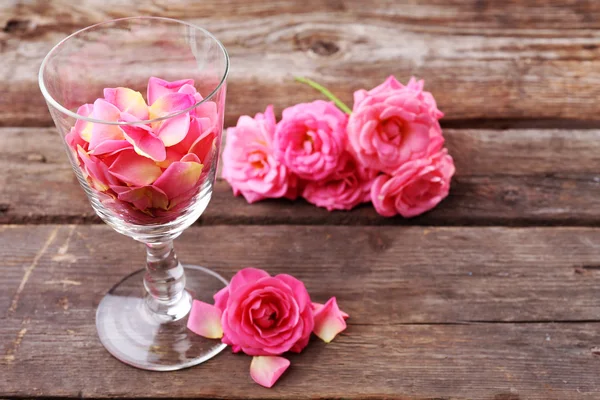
(310, 139)
(416, 187)
(146, 170)
(392, 124)
(346, 188)
(249, 164)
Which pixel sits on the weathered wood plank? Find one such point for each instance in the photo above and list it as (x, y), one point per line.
(549, 15)
(479, 60)
(380, 274)
(503, 177)
(414, 296)
(488, 361)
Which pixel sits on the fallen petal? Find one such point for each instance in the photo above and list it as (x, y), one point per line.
(134, 169)
(266, 370)
(205, 320)
(329, 321)
(317, 306)
(127, 100)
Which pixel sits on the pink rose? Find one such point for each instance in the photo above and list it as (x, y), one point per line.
(344, 189)
(392, 124)
(249, 164)
(264, 315)
(416, 187)
(311, 138)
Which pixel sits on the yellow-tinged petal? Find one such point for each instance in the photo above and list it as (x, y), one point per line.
(329, 321)
(134, 169)
(127, 100)
(205, 320)
(266, 370)
(179, 178)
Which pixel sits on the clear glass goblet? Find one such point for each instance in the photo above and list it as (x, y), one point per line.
(147, 166)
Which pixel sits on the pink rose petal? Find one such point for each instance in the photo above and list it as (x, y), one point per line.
(134, 169)
(297, 286)
(179, 178)
(111, 147)
(205, 320)
(74, 139)
(96, 170)
(188, 89)
(246, 275)
(318, 306)
(158, 87)
(144, 142)
(190, 157)
(105, 111)
(266, 370)
(170, 103)
(84, 128)
(221, 298)
(204, 147)
(172, 156)
(197, 129)
(174, 130)
(142, 197)
(329, 321)
(128, 101)
(207, 110)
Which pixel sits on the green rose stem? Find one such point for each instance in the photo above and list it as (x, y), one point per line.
(340, 104)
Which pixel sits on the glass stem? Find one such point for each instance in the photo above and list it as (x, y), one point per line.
(164, 281)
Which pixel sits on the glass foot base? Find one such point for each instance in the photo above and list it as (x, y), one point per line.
(132, 334)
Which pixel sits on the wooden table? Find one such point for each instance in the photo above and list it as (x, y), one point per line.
(493, 295)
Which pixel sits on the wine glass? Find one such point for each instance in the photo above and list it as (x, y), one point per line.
(147, 166)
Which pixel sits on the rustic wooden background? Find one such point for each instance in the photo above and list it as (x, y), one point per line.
(493, 295)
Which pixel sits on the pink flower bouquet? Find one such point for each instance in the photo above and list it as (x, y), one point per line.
(387, 150)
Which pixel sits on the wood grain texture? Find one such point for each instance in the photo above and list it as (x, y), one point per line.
(540, 60)
(437, 313)
(503, 177)
(426, 362)
(513, 313)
